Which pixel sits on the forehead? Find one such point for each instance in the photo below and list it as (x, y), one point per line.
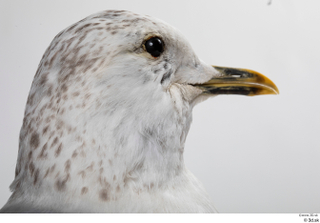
(102, 36)
(118, 22)
(113, 31)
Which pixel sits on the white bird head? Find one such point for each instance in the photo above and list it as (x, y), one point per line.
(107, 118)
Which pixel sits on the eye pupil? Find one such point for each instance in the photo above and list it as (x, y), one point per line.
(154, 46)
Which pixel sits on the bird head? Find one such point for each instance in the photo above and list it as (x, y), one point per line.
(137, 61)
(111, 105)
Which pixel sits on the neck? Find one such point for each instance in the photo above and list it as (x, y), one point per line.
(68, 155)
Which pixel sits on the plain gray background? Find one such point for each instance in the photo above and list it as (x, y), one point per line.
(253, 154)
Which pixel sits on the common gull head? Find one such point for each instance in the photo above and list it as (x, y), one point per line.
(107, 117)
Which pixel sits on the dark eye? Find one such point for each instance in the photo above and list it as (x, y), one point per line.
(154, 46)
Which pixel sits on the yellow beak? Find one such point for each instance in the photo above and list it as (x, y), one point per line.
(238, 81)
